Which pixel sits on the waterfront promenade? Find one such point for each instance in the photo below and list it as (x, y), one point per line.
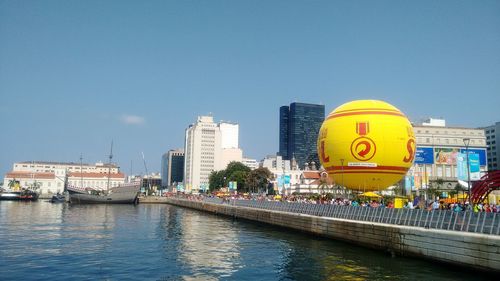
(462, 238)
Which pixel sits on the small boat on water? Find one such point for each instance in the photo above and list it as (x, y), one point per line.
(22, 195)
(58, 198)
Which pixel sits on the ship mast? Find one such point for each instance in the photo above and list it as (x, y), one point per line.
(109, 165)
(81, 173)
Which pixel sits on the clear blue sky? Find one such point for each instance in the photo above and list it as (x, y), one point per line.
(76, 74)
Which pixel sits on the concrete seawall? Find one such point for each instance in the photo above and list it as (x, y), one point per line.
(473, 250)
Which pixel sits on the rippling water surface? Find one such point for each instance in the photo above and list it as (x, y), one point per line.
(44, 241)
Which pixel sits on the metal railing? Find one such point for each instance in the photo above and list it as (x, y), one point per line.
(466, 221)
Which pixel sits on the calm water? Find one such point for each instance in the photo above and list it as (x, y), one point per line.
(44, 241)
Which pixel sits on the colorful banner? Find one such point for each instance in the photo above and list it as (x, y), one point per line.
(474, 163)
(280, 181)
(408, 186)
(287, 179)
(417, 180)
(445, 156)
(462, 166)
(233, 185)
(424, 155)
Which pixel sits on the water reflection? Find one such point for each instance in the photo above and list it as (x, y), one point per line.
(43, 241)
(209, 247)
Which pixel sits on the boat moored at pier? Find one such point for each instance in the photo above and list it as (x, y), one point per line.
(122, 194)
(22, 195)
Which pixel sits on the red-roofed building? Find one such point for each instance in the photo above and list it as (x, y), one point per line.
(95, 180)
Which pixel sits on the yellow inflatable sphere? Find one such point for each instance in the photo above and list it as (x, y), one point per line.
(366, 145)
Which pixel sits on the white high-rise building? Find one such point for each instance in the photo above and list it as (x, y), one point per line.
(209, 147)
(202, 153)
(229, 143)
(229, 133)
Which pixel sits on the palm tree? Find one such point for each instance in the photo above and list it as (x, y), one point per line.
(459, 188)
(13, 184)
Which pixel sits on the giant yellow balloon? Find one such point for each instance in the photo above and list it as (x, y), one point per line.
(366, 145)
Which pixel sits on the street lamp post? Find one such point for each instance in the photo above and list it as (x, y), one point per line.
(467, 142)
(342, 168)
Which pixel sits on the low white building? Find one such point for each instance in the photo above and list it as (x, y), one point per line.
(49, 177)
(41, 182)
(250, 163)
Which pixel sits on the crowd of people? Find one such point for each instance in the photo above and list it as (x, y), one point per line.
(416, 203)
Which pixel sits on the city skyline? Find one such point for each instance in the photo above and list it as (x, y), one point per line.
(76, 75)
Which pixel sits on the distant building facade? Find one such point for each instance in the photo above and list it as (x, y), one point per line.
(172, 167)
(438, 150)
(492, 140)
(250, 163)
(49, 177)
(299, 129)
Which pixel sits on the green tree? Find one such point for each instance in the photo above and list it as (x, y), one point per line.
(235, 166)
(258, 179)
(216, 180)
(239, 176)
(237, 171)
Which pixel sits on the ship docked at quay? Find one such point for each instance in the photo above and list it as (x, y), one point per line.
(121, 194)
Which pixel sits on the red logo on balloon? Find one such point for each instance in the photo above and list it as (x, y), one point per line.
(363, 148)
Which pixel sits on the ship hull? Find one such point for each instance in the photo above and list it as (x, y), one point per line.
(118, 195)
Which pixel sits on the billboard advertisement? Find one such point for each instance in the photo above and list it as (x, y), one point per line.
(480, 152)
(424, 155)
(446, 156)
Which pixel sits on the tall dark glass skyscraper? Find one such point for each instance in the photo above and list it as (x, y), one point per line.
(299, 129)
